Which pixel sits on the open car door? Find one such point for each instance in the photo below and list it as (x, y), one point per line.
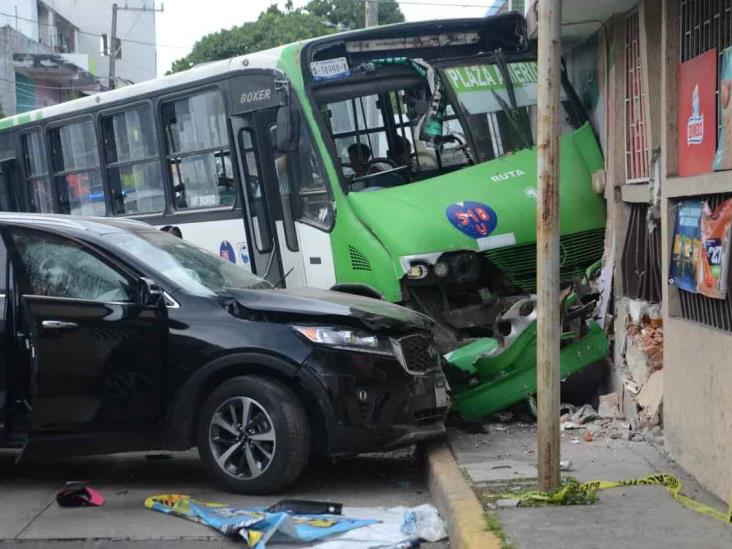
(97, 347)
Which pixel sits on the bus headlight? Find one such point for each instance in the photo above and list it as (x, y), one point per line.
(418, 271)
(442, 269)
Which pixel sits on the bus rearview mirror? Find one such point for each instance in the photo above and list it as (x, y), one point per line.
(288, 128)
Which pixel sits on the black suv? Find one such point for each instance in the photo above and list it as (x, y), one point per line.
(119, 337)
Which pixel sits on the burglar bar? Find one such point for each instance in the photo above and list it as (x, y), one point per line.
(636, 142)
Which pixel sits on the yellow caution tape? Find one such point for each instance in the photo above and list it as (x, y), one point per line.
(589, 489)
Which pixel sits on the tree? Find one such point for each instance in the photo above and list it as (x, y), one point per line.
(272, 28)
(351, 14)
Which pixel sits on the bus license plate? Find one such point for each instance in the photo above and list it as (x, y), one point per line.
(330, 68)
(441, 398)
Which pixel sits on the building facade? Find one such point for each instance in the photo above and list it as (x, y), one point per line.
(656, 79)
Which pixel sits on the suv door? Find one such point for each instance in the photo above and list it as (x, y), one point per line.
(97, 352)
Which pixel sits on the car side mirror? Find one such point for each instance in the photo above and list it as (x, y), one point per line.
(150, 292)
(288, 127)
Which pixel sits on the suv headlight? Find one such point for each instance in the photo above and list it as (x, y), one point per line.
(347, 339)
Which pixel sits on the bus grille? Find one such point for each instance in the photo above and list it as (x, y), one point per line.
(577, 252)
(359, 262)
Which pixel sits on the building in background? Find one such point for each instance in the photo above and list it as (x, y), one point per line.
(136, 53)
(56, 50)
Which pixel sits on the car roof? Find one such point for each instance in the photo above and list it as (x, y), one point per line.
(95, 225)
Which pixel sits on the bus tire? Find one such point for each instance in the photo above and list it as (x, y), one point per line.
(253, 435)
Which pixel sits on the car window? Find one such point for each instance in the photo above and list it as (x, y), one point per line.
(58, 267)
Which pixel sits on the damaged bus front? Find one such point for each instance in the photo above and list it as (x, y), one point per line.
(431, 131)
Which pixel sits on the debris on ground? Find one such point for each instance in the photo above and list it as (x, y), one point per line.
(79, 494)
(360, 528)
(640, 360)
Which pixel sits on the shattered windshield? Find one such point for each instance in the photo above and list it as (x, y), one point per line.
(194, 269)
(501, 119)
(396, 132)
(423, 122)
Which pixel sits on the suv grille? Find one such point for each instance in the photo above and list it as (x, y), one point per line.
(419, 353)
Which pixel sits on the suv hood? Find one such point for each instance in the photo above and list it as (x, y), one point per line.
(311, 304)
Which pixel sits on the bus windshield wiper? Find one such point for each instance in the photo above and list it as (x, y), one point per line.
(507, 83)
(515, 124)
(510, 111)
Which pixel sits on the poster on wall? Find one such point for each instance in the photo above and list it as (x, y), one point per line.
(712, 268)
(686, 245)
(697, 113)
(723, 158)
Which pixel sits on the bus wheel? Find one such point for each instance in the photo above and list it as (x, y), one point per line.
(253, 435)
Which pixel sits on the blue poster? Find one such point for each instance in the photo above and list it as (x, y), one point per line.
(686, 245)
(255, 526)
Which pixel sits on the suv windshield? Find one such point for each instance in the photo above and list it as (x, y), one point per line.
(194, 269)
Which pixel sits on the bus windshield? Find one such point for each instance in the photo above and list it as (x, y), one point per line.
(424, 122)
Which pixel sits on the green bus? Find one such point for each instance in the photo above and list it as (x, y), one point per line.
(395, 161)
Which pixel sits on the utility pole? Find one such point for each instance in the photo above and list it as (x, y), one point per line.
(548, 329)
(112, 46)
(372, 13)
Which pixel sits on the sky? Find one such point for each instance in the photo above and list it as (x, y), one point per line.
(183, 22)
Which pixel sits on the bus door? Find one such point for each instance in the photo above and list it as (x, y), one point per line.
(10, 180)
(266, 178)
(260, 191)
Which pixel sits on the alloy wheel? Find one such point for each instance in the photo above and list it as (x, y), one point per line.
(242, 438)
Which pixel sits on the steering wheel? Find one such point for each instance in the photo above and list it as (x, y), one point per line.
(462, 145)
(384, 160)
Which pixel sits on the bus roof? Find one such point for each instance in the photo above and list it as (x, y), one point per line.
(267, 59)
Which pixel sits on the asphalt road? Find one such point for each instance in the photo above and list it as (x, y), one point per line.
(31, 518)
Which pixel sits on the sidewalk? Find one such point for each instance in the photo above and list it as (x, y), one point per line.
(633, 517)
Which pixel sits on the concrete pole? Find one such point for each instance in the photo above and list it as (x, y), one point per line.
(372, 13)
(112, 48)
(548, 329)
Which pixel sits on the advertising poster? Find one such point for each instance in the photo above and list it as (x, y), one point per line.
(686, 245)
(723, 159)
(711, 272)
(697, 113)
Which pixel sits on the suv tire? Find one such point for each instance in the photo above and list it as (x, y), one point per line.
(253, 435)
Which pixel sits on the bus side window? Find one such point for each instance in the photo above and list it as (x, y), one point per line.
(76, 169)
(197, 151)
(37, 181)
(312, 203)
(131, 158)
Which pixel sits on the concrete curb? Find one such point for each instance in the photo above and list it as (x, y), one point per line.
(457, 502)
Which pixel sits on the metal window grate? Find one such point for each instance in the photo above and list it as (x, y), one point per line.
(705, 310)
(705, 24)
(636, 142)
(641, 261)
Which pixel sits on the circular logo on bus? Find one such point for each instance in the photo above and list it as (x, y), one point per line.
(226, 250)
(474, 219)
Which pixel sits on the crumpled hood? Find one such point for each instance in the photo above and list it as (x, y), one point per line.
(425, 216)
(311, 304)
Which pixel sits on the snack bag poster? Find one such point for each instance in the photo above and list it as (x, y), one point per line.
(686, 245)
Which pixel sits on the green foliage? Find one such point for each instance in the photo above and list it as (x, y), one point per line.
(350, 14)
(273, 28)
